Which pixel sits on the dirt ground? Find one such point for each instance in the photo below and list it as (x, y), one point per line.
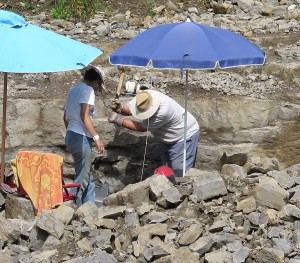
(142, 7)
(137, 7)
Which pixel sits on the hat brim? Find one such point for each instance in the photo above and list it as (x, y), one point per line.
(143, 115)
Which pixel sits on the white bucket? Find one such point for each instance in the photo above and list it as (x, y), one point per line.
(132, 87)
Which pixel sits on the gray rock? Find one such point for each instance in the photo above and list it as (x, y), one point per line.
(50, 224)
(218, 257)
(289, 211)
(5, 256)
(87, 213)
(134, 194)
(202, 245)
(45, 256)
(258, 219)
(132, 219)
(283, 178)
(296, 238)
(282, 244)
(269, 193)
(206, 185)
(23, 225)
(247, 205)
(9, 232)
(241, 255)
(233, 170)
(19, 207)
(64, 213)
(190, 234)
(184, 255)
(2, 200)
(270, 255)
(274, 232)
(111, 212)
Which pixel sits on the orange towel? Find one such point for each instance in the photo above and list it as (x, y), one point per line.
(40, 176)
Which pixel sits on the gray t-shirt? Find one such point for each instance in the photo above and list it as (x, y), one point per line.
(167, 124)
(80, 93)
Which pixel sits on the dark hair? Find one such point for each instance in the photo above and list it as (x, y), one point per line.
(92, 75)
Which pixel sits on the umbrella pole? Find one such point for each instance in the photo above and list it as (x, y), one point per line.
(3, 128)
(185, 122)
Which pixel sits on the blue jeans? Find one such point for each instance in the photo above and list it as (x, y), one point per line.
(172, 154)
(81, 149)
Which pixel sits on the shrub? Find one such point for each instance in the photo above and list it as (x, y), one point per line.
(74, 9)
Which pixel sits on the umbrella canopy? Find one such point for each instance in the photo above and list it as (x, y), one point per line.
(188, 45)
(26, 48)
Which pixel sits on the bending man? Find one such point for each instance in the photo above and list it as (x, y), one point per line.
(164, 118)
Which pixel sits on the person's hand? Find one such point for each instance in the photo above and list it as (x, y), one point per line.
(116, 118)
(116, 105)
(100, 146)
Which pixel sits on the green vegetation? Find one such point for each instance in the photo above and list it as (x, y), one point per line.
(74, 9)
(150, 5)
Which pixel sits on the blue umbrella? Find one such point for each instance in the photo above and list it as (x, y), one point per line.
(26, 48)
(188, 46)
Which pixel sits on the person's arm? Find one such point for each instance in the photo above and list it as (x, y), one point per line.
(133, 125)
(120, 120)
(86, 119)
(124, 110)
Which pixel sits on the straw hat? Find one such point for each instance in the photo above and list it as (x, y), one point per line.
(145, 104)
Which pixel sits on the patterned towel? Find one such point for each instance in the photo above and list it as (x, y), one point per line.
(40, 175)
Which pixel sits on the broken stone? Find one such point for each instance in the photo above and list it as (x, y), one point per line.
(9, 232)
(233, 170)
(87, 213)
(269, 193)
(190, 235)
(19, 207)
(64, 213)
(215, 256)
(206, 185)
(47, 222)
(247, 205)
(202, 245)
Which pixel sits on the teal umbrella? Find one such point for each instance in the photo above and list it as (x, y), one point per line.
(27, 48)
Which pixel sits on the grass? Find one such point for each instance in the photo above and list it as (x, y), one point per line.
(72, 10)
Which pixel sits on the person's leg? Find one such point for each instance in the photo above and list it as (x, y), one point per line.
(191, 150)
(172, 155)
(80, 148)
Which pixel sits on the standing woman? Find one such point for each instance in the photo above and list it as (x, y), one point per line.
(81, 133)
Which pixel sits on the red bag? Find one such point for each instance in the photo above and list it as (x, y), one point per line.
(166, 171)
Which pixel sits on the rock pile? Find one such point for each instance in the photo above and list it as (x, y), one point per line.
(246, 213)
